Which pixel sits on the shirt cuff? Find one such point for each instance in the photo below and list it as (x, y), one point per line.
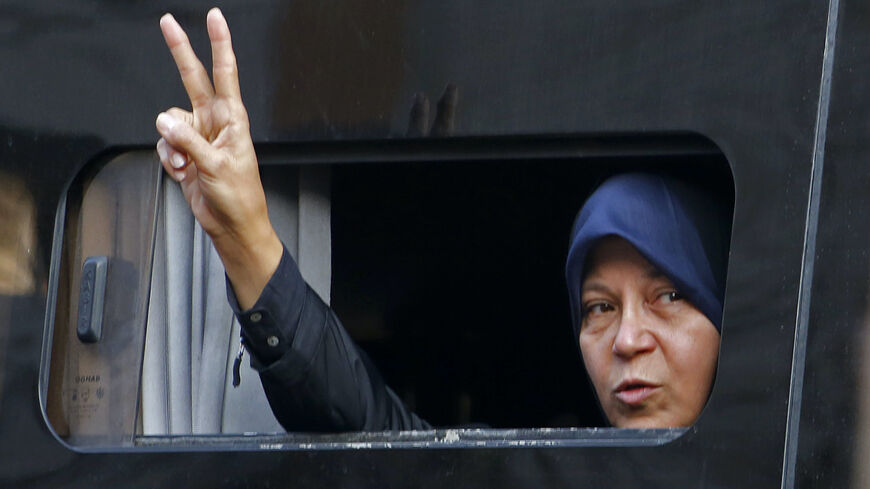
(268, 328)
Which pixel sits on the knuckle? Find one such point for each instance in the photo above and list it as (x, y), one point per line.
(190, 69)
(198, 99)
(179, 114)
(240, 115)
(237, 129)
(226, 68)
(221, 163)
(181, 135)
(167, 167)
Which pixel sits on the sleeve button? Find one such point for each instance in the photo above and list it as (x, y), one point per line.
(256, 317)
(272, 341)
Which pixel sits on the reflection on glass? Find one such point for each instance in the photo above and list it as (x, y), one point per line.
(17, 237)
(17, 245)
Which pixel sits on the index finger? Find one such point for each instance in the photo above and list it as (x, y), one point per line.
(224, 68)
(193, 74)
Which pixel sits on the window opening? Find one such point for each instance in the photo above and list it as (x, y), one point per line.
(447, 271)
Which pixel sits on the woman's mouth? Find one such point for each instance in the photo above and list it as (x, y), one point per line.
(634, 392)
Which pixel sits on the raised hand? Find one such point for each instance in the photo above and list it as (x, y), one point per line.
(209, 151)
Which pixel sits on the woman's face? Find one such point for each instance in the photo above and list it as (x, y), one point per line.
(651, 355)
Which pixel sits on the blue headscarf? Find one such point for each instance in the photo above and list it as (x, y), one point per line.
(681, 232)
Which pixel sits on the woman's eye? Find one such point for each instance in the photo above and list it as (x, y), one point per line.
(598, 308)
(670, 296)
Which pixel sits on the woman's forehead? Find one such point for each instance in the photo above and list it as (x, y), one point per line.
(615, 254)
(613, 249)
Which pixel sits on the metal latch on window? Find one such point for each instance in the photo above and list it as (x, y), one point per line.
(92, 295)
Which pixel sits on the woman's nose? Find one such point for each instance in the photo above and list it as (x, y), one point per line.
(633, 336)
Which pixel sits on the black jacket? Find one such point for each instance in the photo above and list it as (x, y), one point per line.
(314, 375)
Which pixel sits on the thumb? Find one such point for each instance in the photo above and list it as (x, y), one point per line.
(181, 136)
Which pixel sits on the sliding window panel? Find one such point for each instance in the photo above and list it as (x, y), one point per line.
(99, 322)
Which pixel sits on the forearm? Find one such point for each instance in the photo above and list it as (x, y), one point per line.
(250, 262)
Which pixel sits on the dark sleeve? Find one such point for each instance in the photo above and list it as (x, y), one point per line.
(314, 375)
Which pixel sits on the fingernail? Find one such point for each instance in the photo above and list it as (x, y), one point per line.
(161, 150)
(216, 12)
(178, 161)
(179, 175)
(165, 122)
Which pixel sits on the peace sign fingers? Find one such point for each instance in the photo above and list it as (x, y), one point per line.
(224, 68)
(193, 74)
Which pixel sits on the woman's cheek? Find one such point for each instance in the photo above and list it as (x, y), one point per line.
(594, 354)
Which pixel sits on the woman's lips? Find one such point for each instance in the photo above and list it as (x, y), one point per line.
(634, 392)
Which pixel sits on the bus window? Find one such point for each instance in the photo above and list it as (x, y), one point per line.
(444, 263)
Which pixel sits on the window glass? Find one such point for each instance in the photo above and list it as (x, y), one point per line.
(94, 383)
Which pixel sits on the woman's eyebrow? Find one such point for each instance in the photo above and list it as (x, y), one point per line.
(594, 286)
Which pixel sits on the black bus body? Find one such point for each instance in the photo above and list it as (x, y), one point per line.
(769, 99)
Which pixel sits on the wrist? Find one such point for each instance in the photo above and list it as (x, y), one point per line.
(250, 262)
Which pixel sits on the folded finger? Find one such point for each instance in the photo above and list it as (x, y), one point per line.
(167, 155)
(171, 156)
(188, 144)
(163, 151)
(193, 74)
(224, 68)
(181, 114)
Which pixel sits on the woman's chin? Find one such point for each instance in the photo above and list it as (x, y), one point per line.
(649, 421)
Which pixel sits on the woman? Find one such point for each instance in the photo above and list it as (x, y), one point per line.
(645, 274)
(313, 374)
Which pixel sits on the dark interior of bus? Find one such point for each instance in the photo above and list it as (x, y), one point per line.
(450, 275)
